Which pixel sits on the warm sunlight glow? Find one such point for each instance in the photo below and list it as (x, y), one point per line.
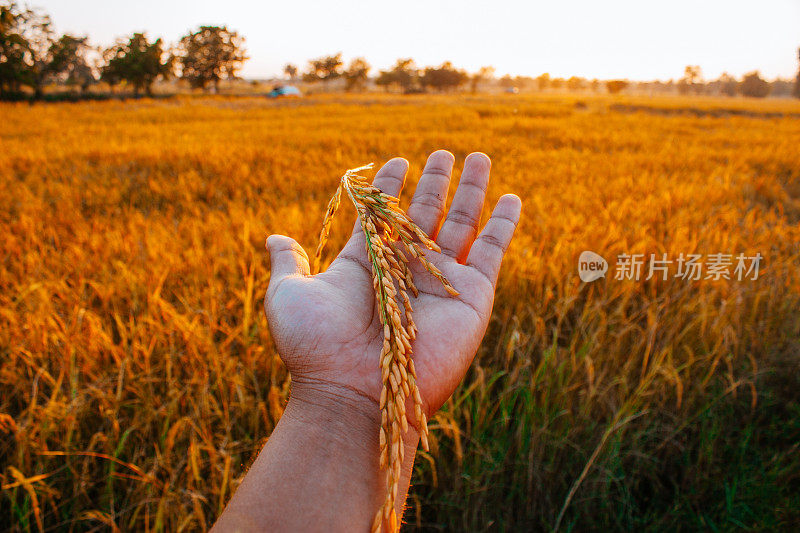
(612, 39)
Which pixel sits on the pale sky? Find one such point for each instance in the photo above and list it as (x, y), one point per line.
(635, 39)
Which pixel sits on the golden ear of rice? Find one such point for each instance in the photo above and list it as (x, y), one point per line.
(391, 279)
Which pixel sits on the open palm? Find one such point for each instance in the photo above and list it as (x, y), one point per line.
(326, 327)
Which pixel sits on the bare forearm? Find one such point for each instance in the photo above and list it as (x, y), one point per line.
(319, 469)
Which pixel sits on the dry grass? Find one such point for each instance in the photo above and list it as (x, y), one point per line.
(137, 376)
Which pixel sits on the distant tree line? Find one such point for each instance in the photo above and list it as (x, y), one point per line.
(32, 56)
(404, 75)
(752, 84)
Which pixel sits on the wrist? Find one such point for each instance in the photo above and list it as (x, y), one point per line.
(346, 420)
(346, 414)
(342, 413)
(320, 466)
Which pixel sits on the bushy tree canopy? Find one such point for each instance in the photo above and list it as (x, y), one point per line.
(616, 86)
(210, 54)
(324, 68)
(70, 61)
(403, 74)
(26, 38)
(138, 62)
(754, 85)
(13, 49)
(443, 78)
(290, 70)
(356, 75)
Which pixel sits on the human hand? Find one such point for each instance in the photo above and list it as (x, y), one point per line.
(326, 327)
(319, 468)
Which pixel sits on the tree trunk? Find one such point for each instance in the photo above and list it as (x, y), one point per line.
(38, 83)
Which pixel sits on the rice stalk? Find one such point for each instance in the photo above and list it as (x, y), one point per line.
(385, 227)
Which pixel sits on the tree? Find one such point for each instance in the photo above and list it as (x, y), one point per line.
(402, 74)
(507, 82)
(324, 68)
(137, 62)
(727, 84)
(483, 74)
(210, 54)
(543, 81)
(110, 70)
(693, 74)
(69, 60)
(782, 88)
(13, 49)
(26, 37)
(616, 86)
(797, 80)
(754, 85)
(30, 54)
(39, 38)
(692, 78)
(290, 71)
(575, 83)
(443, 78)
(356, 74)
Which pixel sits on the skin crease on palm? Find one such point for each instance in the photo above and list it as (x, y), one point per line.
(326, 327)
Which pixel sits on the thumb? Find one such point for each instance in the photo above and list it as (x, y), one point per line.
(286, 257)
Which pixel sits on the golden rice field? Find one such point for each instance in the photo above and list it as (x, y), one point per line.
(137, 374)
